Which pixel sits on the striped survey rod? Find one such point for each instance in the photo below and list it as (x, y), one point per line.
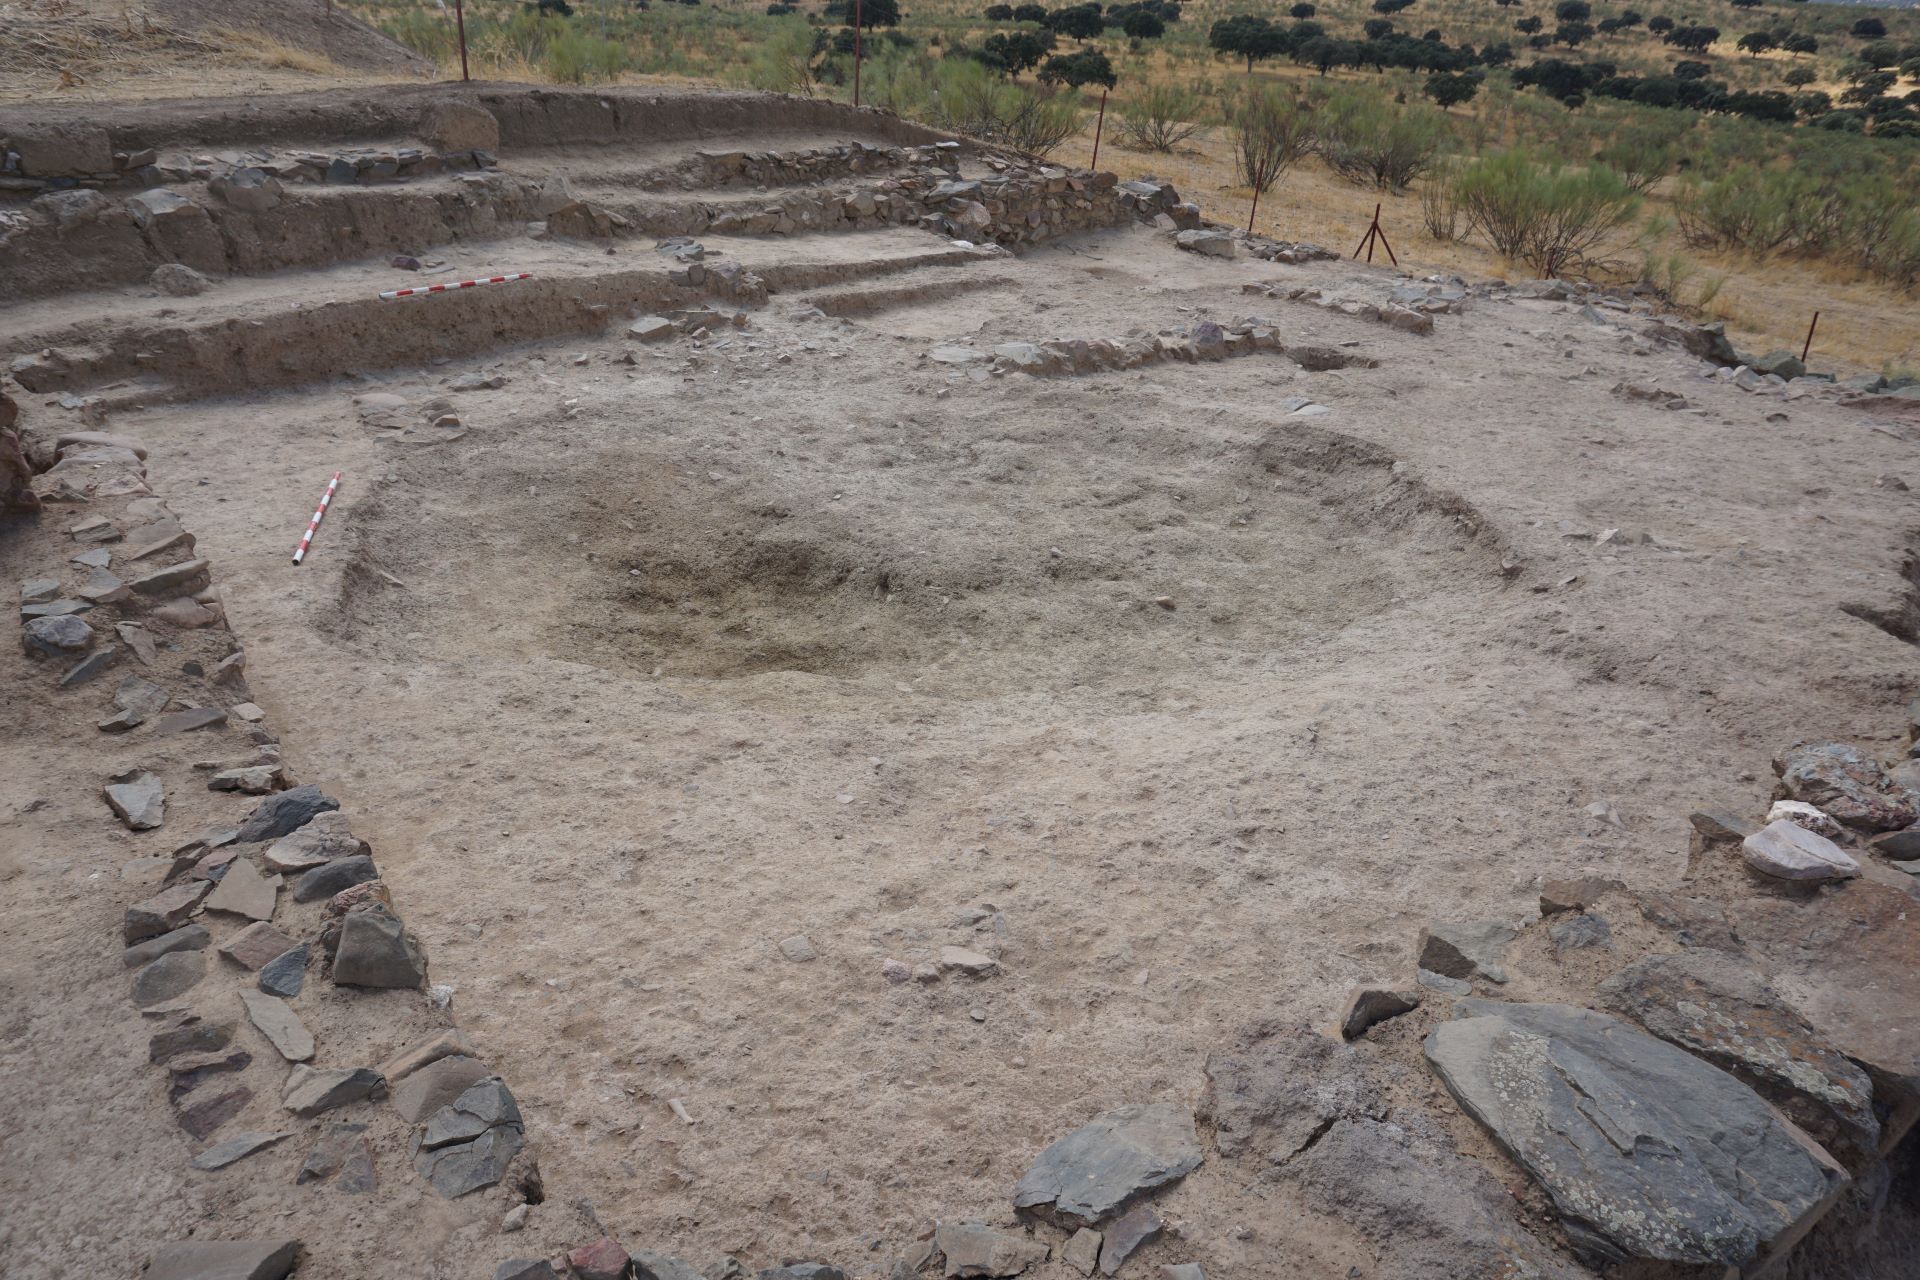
(306, 540)
(463, 284)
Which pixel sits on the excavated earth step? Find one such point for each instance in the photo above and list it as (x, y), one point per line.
(212, 348)
(925, 287)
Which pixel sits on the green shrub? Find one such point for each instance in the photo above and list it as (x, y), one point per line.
(1536, 212)
(783, 61)
(1368, 140)
(1271, 132)
(579, 57)
(1159, 119)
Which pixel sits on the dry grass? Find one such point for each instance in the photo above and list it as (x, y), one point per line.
(1766, 304)
(266, 50)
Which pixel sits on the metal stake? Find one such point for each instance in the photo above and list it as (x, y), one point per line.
(856, 52)
(1098, 127)
(1809, 343)
(460, 19)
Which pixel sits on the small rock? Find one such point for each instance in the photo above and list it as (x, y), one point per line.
(895, 971)
(1467, 949)
(1368, 1006)
(138, 701)
(797, 948)
(603, 1259)
(1139, 1225)
(1805, 815)
(975, 1249)
(1442, 983)
(190, 719)
(138, 798)
(445, 1044)
(191, 937)
(1845, 783)
(525, 1269)
(1182, 1271)
(1579, 933)
(1082, 1250)
(1574, 895)
(177, 280)
(285, 974)
(279, 1024)
(376, 951)
(324, 838)
(335, 1147)
(515, 1218)
(253, 780)
(206, 1110)
(236, 1148)
(970, 963)
(257, 944)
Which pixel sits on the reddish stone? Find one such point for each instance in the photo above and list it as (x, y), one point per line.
(604, 1259)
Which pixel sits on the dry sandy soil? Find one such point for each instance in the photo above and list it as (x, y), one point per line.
(1188, 712)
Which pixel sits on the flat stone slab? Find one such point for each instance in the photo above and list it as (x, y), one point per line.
(138, 799)
(1370, 1006)
(172, 975)
(322, 839)
(1646, 1150)
(469, 1143)
(243, 891)
(1720, 1008)
(452, 1042)
(1788, 851)
(1135, 1227)
(224, 1260)
(193, 937)
(330, 878)
(236, 1148)
(1099, 1168)
(312, 1091)
(164, 912)
(279, 1024)
(257, 944)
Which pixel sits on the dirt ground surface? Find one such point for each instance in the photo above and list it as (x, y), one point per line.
(1188, 710)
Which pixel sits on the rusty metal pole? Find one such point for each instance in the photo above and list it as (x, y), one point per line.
(1255, 209)
(1809, 343)
(1099, 127)
(856, 52)
(460, 20)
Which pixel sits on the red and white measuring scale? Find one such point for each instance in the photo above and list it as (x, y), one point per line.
(306, 539)
(463, 284)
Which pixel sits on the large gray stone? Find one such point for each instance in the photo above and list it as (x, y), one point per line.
(1101, 1167)
(975, 1249)
(469, 1143)
(136, 701)
(138, 798)
(173, 974)
(55, 637)
(1720, 1008)
(1134, 1228)
(1788, 851)
(288, 811)
(330, 878)
(1846, 783)
(312, 1091)
(1278, 1084)
(224, 1260)
(1647, 1151)
(525, 1269)
(376, 951)
(1467, 949)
